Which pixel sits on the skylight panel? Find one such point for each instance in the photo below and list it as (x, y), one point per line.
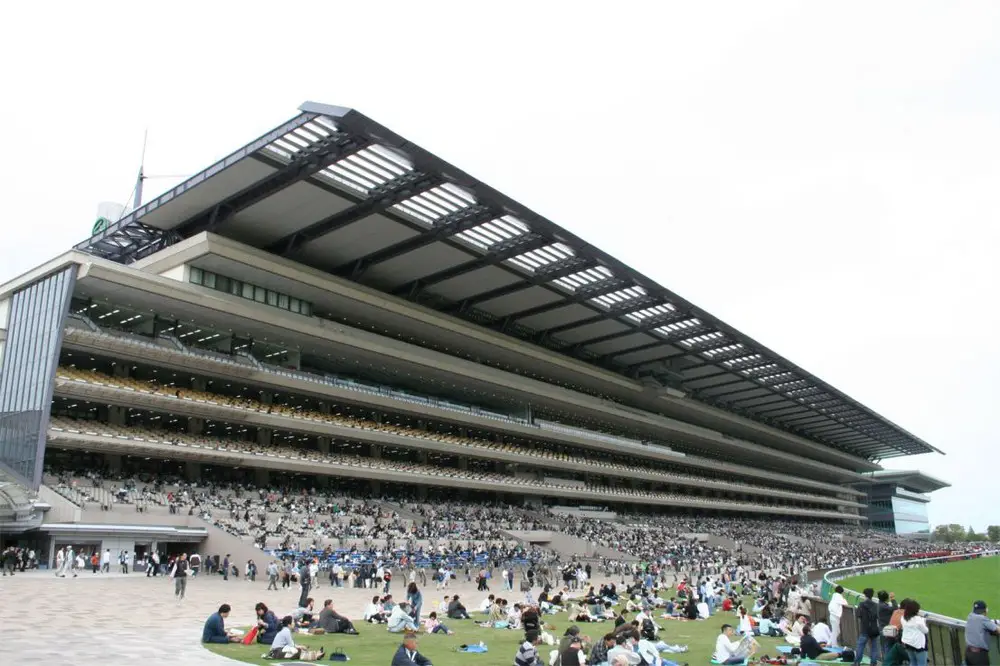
(367, 169)
(719, 351)
(654, 311)
(760, 370)
(586, 277)
(293, 142)
(742, 360)
(676, 327)
(618, 298)
(434, 204)
(488, 234)
(544, 256)
(701, 339)
(778, 378)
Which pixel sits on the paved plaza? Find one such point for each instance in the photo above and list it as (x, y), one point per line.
(114, 619)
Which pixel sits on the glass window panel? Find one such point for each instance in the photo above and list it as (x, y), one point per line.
(248, 291)
(196, 275)
(293, 305)
(272, 298)
(259, 294)
(209, 280)
(306, 308)
(283, 301)
(235, 287)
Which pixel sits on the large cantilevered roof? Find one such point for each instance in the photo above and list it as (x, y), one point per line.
(335, 190)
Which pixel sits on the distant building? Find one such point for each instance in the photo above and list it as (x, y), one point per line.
(897, 501)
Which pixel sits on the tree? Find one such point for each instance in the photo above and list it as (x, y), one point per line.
(993, 533)
(949, 533)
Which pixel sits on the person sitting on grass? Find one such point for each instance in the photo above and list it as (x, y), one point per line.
(283, 647)
(728, 651)
(400, 620)
(374, 612)
(456, 611)
(303, 615)
(267, 624)
(407, 654)
(432, 626)
(215, 627)
(332, 622)
(527, 652)
(813, 649)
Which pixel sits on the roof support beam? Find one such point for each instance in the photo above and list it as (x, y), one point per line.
(519, 245)
(306, 163)
(379, 199)
(454, 223)
(580, 297)
(561, 270)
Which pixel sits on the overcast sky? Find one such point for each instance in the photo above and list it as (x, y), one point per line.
(824, 179)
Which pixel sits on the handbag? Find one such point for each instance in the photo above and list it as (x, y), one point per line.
(251, 635)
(890, 631)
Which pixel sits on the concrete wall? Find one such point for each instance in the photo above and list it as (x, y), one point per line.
(62, 511)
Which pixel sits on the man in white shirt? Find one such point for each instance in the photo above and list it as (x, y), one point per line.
(836, 609)
(822, 633)
(106, 561)
(728, 651)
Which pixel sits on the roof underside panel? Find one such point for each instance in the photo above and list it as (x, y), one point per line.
(335, 190)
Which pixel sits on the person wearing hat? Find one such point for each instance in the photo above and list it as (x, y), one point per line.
(573, 655)
(978, 629)
(527, 653)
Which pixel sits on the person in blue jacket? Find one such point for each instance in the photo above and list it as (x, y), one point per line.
(215, 627)
(416, 599)
(267, 622)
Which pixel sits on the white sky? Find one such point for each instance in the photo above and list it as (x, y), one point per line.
(823, 178)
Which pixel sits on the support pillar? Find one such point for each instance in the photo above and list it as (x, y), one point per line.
(264, 436)
(114, 463)
(422, 457)
(116, 415)
(266, 397)
(376, 451)
(463, 462)
(262, 476)
(422, 493)
(376, 487)
(198, 384)
(192, 470)
(323, 444)
(120, 370)
(196, 426)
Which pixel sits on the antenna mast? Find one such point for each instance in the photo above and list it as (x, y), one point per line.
(137, 202)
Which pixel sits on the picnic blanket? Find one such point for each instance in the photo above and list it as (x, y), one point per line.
(718, 663)
(787, 649)
(475, 648)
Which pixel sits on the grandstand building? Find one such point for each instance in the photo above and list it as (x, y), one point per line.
(333, 303)
(897, 501)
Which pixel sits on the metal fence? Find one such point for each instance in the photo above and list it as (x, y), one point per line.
(946, 639)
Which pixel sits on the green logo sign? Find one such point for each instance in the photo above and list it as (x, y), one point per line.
(100, 226)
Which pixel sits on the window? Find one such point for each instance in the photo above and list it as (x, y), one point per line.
(251, 292)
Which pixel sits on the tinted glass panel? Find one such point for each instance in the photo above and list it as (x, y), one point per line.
(34, 336)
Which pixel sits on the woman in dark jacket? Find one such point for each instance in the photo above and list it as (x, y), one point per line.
(267, 623)
(886, 607)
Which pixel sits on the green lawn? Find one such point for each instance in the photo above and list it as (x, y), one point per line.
(375, 646)
(948, 589)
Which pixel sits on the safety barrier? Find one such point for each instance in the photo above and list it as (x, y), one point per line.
(946, 638)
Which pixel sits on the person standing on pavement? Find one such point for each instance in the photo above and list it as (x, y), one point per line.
(179, 572)
(272, 576)
(305, 581)
(978, 630)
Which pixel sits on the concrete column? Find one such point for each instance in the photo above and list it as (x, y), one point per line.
(196, 426)
(293, 360)
(192, 470)
(120, 370)
(422, 493)
(266, 397)
(198, 384)
(463, 462)
(116, 415)
(376, 487)
(264, 436)
(463, 432)
(376, 451)
(324, 444)
(114, 462)
(324, 407)
(262, 477)
(422, 457)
